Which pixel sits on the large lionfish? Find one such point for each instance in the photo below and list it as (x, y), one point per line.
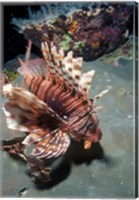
(56, 106)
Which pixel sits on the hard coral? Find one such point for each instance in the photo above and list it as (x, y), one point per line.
(102, 29)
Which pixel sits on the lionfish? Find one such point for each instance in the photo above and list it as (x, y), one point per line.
(55, 107)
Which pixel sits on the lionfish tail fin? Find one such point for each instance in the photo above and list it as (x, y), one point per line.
(48, 144)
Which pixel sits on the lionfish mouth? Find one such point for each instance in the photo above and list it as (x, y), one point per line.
(55, 107)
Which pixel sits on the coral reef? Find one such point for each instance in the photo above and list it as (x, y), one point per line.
(11, 75)
(3, 79)
(90, 31)
(123, 52)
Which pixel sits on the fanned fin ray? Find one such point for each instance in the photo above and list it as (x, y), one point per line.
(35, 67)
(85, 82)
(25, 111)
(35, 136)
(64, 69)
(67, 69)
(52, 145)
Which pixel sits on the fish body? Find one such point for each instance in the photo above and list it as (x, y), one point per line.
(56, 106)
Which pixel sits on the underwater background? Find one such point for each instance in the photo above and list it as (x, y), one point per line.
(107, 170)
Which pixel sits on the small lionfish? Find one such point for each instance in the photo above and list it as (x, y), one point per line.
(56, 106)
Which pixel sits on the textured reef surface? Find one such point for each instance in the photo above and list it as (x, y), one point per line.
(89, 29)
(107, 170)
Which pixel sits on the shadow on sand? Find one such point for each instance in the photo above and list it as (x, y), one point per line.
(61, 167)
(48, 173)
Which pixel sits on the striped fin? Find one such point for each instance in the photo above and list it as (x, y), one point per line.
(46, 53)
(35, 136)
(25, 111)
(48, 59)
(72, 68)
(85, 82)
(67, 69)
(68, 63)
(77, 67)
(58, 56)
(35, 67)
(54, 60)
(52, 145)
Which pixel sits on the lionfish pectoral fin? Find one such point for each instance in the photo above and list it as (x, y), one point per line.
(87, 144)
(34, 136)
(23, 109)
(53, 144)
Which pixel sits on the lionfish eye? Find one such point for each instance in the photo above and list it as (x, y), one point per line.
(65, 117)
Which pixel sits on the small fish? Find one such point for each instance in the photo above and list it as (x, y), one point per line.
(56, 106)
